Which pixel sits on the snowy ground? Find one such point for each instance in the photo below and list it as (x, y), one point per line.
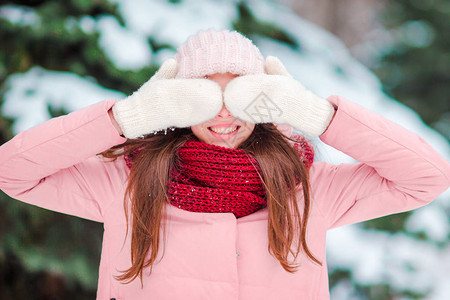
(323, 65)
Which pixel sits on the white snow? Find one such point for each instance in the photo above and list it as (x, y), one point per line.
(128, 49)
(173, 23)
(323, 65)
(433, 221)
(28, 95)
(19, 15)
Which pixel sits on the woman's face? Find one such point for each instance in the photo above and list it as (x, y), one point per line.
(224, 129)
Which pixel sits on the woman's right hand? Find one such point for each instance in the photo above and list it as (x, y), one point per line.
(164, 102)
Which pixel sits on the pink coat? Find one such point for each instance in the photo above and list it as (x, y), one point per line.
(215, 255)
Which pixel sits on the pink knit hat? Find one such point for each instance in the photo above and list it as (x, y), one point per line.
(212, 51)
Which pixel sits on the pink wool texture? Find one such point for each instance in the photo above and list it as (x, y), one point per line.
(211, 51)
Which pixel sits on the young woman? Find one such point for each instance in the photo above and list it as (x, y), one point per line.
(201, 193)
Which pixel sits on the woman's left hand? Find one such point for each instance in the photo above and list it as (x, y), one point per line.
(277, 98)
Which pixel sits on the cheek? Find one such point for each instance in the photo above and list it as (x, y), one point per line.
(199, 131)
(249, 129)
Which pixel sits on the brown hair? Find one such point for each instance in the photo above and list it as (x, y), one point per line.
(281, 168)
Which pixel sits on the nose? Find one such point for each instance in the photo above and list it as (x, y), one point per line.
(224, 113)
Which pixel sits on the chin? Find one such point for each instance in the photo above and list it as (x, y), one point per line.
(224, 144)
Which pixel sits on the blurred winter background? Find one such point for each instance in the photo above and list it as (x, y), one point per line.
(392, 57)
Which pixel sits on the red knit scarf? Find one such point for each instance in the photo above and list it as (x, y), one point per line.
(210, 178)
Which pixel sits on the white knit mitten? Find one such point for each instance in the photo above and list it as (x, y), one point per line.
(164, 102)
(277, 98)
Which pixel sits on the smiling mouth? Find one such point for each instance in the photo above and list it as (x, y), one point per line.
(224, 130)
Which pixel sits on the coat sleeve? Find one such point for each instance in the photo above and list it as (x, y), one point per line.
(54, 165)
(397, 170)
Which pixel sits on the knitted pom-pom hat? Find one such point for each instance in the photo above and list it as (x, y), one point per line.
(218, 51)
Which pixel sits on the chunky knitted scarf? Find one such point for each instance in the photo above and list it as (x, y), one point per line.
(210, 178)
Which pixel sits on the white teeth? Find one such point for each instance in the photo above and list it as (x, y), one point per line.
(223, 130)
